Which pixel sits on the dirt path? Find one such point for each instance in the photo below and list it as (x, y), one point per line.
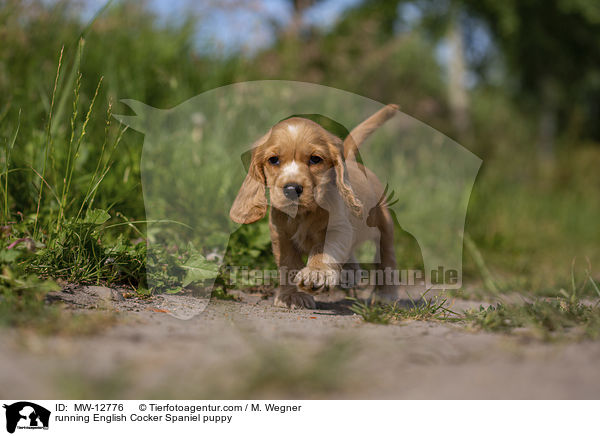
(250, 349)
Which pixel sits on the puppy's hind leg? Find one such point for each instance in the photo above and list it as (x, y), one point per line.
(351, 276)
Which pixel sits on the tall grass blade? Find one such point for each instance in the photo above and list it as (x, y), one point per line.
(70, 160)
(47, 144)
(7, 154)
(60, 110)
(488, 280)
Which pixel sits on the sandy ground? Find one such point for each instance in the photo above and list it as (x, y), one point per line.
(250, 349)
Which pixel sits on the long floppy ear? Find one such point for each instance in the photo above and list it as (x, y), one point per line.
(250, 205)
(341, 179)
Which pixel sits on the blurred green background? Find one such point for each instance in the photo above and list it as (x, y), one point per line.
(515, 82)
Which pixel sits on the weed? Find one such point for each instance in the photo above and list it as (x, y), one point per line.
(547, 318)
(424, 309)
(67, 238)
(544, 318)
(77, 253)
(220, 293)
(174, 268)
(375, 313)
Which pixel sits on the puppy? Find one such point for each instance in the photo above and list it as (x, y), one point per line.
(323, 204)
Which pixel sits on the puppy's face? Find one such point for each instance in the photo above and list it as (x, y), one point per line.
(297, 159)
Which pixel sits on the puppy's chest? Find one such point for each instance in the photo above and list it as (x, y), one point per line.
(307, 234)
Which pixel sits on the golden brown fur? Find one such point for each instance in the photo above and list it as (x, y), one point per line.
(322, 205)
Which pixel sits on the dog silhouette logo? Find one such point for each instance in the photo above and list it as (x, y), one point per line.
(26, 415)
(191, 172)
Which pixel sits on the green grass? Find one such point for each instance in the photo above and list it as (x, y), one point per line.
(220, 293)
(546, 319)
(424, 309)
(564, 316)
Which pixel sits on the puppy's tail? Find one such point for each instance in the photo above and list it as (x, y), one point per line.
(360, 133)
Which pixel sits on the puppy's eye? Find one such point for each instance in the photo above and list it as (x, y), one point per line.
(315, 160)
(274, 160)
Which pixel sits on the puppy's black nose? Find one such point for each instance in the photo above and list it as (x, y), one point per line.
(292, 191)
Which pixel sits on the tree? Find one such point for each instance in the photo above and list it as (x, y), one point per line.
(551, 49)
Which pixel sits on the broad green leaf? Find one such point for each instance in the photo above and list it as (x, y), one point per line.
(96, 216)
(198, 269)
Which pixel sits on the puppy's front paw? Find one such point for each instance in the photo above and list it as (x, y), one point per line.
(295, 300)
(311, 280)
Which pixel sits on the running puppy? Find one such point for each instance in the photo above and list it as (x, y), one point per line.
(323, 204)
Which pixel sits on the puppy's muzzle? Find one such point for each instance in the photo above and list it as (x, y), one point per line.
(292, 191)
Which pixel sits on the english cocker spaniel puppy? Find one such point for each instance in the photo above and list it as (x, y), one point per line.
(323, 204)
